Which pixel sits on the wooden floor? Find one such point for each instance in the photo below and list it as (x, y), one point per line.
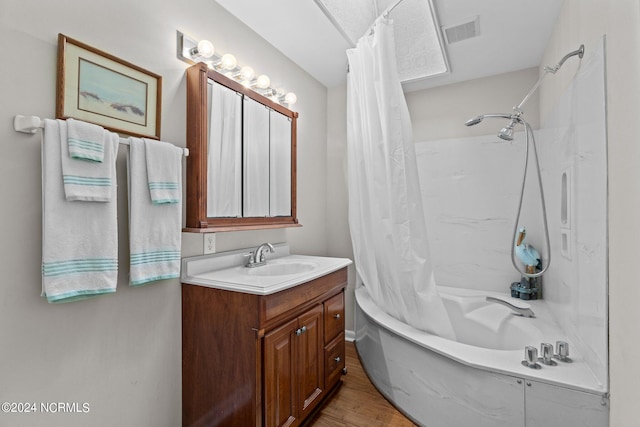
(357, 402)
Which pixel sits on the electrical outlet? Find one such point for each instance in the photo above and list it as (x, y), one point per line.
(209, 243)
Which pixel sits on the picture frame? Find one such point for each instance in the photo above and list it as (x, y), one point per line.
(97, 87)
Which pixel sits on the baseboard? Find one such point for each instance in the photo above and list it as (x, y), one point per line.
(349, 336)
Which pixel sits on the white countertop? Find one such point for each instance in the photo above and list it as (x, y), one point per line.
(227, 271)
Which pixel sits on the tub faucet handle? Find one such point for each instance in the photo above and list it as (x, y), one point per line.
(562, 352)
(546, 350)
(531, 354)
(531, 357)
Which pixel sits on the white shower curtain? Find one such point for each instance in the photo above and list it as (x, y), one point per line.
(388, 232)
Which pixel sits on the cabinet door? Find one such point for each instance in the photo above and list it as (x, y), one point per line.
(279, 164)
(279, 376)
(552, 406)
(310, 344)
(224, 161)
(255, 194)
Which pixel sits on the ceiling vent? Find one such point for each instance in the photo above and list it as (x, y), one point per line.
(459, 32)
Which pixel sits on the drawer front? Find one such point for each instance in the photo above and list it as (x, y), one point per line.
(334, 354)
(282, 305)
(333, 317)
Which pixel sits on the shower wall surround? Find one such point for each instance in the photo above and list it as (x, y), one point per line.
(470, 192)
(574, 140)
(470, 189)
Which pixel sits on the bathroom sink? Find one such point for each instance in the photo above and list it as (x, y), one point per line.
(282, 268)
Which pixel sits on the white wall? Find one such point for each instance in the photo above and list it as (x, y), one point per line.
(119, 353)
(440, 112)
(338, 237)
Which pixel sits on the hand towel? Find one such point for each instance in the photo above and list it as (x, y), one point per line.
(85, 140)
(87, 181)
(155, 230)
(79, 239)
(164, 162)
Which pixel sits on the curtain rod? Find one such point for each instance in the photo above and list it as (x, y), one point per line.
(384, 15)
(390, 9)
(31, 124)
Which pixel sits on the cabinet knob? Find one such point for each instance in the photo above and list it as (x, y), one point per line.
(337, 316)
(300, 331)
(519, 381)
(337, 359)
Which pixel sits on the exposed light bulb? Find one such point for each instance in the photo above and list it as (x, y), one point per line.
(204, 49)
(228, 61)
(263, 81)
(290, 98)
(247, 73)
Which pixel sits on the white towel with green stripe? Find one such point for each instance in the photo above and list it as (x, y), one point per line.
(79, 239)
(85, 180)
(85, 140)
(155, 230)
(164, 168)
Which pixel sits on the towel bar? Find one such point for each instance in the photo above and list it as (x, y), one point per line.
(31, 124)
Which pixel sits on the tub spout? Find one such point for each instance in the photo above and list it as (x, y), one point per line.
(519, 311)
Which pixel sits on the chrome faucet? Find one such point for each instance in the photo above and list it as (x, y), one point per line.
(518, 311)
(256, 259)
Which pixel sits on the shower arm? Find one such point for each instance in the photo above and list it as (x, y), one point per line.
(580, 52)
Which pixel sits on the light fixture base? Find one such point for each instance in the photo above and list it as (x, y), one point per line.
(184, 45)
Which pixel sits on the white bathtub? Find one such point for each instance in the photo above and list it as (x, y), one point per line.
(477, 380)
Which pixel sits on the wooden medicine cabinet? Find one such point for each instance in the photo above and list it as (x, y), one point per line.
(241, 169)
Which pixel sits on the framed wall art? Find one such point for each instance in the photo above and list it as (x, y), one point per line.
(100, 88)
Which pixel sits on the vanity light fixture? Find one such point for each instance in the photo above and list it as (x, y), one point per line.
(246, 74)
(290, 98)
(204, 49)
(228, 62)
(262, 82)
(191, 52)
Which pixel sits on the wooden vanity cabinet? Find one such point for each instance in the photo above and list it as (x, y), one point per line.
(261, 360)
(294, 371)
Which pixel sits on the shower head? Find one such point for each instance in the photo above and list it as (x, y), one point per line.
(474, 121)
(506, 132)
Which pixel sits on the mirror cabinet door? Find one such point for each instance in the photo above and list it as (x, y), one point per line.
(224, 167)
(241, 172)
(279, 164)
(256, 159)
